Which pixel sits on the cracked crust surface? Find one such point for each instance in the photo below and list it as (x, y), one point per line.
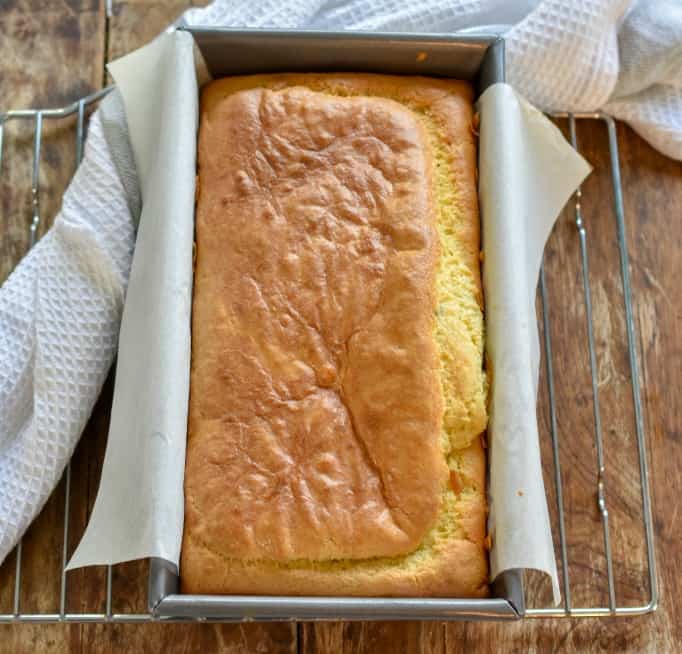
(336, 384)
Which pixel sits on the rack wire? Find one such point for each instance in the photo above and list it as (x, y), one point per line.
(567, 609)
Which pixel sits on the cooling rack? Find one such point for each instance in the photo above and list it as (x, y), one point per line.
(553, 437)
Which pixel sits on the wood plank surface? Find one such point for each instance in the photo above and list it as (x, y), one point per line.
(50, 54)
(53, 54)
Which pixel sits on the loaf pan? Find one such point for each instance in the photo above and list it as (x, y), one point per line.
(226, 51)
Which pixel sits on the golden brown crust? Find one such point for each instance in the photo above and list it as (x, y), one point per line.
(314, 449)
(454, 567)
(448, 102)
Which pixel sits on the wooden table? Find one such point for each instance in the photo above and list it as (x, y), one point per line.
(52, 53)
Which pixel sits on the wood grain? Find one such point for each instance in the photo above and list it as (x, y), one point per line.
(78, 37)
(50, 55)
(358, 637)
(136, 22)
(35, 75)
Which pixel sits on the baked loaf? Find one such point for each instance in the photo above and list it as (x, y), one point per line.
(337, 390)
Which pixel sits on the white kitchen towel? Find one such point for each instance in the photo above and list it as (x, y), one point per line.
(60, 309)
(59, 320)
(621, 56)
(648, 92)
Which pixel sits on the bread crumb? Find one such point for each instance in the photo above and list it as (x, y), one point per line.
(519, 493)
(421, 56)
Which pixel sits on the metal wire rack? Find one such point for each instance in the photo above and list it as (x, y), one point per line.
(568, 609)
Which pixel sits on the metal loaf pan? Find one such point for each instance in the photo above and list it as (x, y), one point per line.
(227, 51)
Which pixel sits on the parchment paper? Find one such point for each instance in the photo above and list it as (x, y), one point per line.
(527, 172)
(139, 507)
